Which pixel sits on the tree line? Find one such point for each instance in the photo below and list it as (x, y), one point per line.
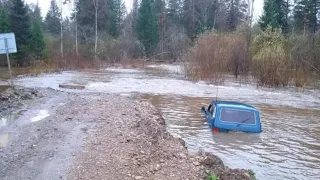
(163, 29)
(153, 27)
(299, 16)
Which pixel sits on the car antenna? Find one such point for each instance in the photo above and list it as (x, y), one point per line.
(217, 93)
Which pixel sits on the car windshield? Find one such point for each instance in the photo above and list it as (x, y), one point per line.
(238, 116)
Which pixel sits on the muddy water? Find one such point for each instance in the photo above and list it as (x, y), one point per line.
(288, 148)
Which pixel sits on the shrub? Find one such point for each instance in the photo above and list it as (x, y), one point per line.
(271, 59)
(215, 55)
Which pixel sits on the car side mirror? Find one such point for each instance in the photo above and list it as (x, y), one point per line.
(203, 109)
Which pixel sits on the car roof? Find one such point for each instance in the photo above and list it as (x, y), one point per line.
(233, 104)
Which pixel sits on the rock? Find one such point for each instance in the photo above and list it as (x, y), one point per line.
(196, 163)
(158, 167)
(182, 156)
(161, 160)
(212, 161)
(138, 177)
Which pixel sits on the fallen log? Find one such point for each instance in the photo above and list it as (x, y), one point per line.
(72, 86)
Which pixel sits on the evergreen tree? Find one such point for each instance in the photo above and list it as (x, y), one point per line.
(20, 25)
(212, 13)
(147, 26)
(173, 12)
(37, 44)
(305, 15)
(86, 17)
(121, 13)
(116, 9)
(134, 14)
(53, 19)
(36, 14)
(275, 15)
(4, 20)
(112, 18)
(237, 13)
(190, 20)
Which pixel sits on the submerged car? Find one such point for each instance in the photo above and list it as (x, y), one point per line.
(225, 116)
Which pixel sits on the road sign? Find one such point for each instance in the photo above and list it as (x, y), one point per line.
(7, 46)
(11, 41)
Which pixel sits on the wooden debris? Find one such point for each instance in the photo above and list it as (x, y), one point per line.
(72, 86)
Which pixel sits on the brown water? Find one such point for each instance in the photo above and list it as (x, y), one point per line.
(288, 147)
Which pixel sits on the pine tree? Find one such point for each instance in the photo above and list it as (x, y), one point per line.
(134, 14)
(173, 12)
(147, 26)
(305, 16)
(116, 9)
(37, 44)
(20, 25)
(4, 20)
(112, 18)
(52, 21)
(275, 15)
(86, 17)
(191, 19)
(36, 14)
(121, 13)
(237, 13)
(212, 13)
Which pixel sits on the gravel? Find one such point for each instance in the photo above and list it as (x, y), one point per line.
(100, 136)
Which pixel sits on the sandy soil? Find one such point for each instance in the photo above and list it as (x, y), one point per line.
(99, 136)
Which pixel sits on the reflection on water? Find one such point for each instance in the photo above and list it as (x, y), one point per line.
(288, 147)
(42, 114)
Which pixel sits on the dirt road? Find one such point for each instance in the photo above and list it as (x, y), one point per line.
(61, 135)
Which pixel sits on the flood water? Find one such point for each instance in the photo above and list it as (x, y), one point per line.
(288, 147)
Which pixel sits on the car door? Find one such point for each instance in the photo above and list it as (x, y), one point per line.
(211, 114)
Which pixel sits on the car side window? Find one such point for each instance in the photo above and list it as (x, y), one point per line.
(213, 111)
(209, 108)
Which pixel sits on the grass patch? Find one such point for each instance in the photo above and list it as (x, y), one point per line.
(212, 177)
(252, 174)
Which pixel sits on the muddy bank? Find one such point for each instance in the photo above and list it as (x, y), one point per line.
(98, 136)
(13, 99)
(130, 141)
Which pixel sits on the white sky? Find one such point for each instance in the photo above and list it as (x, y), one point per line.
(45, 4)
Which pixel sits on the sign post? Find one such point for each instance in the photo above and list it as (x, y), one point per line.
(7, 46)
(8, 60)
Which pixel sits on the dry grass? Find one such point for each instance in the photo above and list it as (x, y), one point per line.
(216, 55)
(135, 63)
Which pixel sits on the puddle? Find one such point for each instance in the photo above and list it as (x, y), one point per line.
(8, 120)
(3, 122)
(42, 115)
(4, 140)
(3, 88)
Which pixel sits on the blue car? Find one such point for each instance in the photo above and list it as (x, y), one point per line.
(225, 116)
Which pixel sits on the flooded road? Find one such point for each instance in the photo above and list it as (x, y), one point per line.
(288, 148)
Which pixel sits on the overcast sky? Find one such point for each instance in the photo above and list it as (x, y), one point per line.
(44, 4)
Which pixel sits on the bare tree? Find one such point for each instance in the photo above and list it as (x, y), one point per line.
(61, 30)
(96, 28)
(76, 21)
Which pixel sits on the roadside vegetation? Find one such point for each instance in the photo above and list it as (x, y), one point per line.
(215, 39)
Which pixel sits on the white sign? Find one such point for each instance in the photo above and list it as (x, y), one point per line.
(11, 42)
